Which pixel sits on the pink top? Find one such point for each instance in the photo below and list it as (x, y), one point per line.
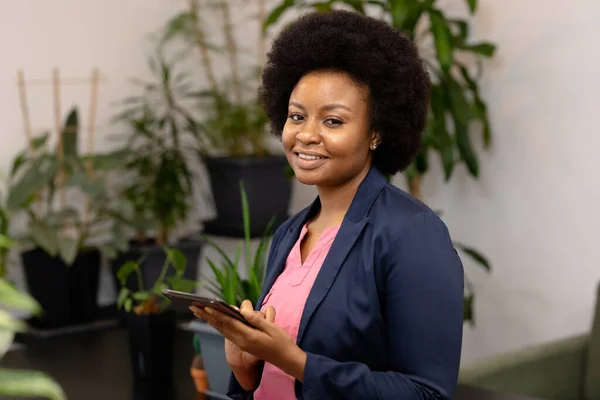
(288, 295)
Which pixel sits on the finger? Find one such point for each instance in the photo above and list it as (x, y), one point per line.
(270, 314)
(246, 305)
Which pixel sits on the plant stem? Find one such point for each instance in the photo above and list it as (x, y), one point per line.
(414, 186)
(89, 166)
(231, 47)
(57, 125)
(204, 54)
(261, 35)
(163, 272)
(140, 282)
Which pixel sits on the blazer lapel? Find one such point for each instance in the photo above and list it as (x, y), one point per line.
(354, 221)
(346, 236)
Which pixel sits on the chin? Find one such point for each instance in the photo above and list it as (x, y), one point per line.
(307, 178)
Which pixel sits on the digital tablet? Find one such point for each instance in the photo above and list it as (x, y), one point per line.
(189, 299)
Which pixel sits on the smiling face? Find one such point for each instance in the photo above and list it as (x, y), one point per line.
(327, 136)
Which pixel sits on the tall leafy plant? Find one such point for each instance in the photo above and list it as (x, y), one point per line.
(20, 382)
(235, 122)
(42, 182)
(227, 283)
(162, 146)
(456, 106)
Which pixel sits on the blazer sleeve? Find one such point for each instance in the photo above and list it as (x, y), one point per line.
(235, 390)
(423, 312)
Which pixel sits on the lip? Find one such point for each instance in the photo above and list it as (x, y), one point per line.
(309, 164)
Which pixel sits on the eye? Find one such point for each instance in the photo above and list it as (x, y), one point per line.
(334, 122)
(296, 117)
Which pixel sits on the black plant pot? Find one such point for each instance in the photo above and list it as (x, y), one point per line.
(151, 347)
(267, 185)
(67, 294)
(153, 260)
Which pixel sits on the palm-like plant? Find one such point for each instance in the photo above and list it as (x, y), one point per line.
(456, 106)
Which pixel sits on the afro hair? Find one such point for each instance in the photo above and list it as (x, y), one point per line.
(372, 53)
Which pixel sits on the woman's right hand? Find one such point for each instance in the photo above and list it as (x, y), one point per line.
(243, 364)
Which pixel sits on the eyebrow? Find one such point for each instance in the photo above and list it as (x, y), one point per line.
(328, 107)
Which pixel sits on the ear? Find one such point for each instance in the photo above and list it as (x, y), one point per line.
(375, 140)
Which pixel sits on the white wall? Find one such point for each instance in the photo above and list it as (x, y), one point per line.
(534, 211)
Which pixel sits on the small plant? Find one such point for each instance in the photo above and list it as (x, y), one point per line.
(15, 382)
(144, 301)
(227, 284)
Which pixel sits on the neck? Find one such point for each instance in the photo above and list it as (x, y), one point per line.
(336, 200)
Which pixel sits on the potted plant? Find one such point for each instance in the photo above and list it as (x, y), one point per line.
(15, 382)
(456, 106)
(158, 179)
(198, 373)
(70, 221)
(150, 322)
(228, 285)
(234, 140)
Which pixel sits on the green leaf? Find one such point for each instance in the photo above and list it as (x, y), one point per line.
(448, 162)
(40, 141)
(41, 172)
(67, 249)
(119, 238)
(277, 12)
(465, 148)
(126, 270)
(128, 304)
(6, 339)
(475, 255)
(9, 323)
(485, 49)
(141, 296)
(123, 295)
(45, 237)
(25, 383)
(11, 298)
(472, 5)
(443, 39)
(178, 260)
(70, 134)
(480, 107)
(182, 284)
(108, 252)
(468, 308)
(5, 242)
(460, 106)
(405, 14)
(19, 161)
(58, 218)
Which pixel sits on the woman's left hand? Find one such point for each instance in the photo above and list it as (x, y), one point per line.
(266, 341)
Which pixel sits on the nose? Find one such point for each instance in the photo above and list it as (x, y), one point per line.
(308, 134)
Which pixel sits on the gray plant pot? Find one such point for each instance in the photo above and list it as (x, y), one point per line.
(212, 344)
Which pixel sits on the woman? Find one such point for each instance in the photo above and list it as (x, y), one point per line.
(363, 291)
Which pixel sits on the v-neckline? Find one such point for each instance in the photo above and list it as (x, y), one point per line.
(324, 238)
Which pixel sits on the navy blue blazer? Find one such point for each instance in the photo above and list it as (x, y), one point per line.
(384, 319)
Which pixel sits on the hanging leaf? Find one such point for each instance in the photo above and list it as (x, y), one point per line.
(277, 12)
(475, 255)
(405, 15)
(178, 260)
(40, 173)
(480, 107)
(443, 39)
(461, 109)
(9, 323)
(465, 148)
(468, 308)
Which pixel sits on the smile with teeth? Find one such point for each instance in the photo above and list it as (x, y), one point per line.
(309, 157)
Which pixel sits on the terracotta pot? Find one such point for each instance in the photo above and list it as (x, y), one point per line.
(200, 379)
